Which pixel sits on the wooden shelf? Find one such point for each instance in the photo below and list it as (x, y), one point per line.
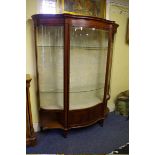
(53, 120)
(53, 124)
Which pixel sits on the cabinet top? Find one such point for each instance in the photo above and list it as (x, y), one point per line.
(66, 15)
(65, 18)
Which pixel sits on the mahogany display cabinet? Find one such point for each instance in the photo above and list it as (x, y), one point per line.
(73, 59)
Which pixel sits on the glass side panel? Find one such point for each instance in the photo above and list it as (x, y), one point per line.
(50, 47)
(88, 54)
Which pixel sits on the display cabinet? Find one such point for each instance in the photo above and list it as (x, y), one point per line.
(73, 59)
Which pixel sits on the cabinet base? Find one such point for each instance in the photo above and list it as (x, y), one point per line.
(54, 119)
(86, 117)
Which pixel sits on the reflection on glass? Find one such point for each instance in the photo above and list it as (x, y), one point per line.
(88, 53)
(50, 66)
(48, 7)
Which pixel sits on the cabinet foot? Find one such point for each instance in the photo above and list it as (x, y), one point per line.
(41, 128)
(65, 133)
(101, 122)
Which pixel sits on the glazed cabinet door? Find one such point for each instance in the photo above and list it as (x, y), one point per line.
(88, 57)
(50, 48)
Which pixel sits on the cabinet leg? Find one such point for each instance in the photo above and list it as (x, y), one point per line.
(101, 122)
(41, 128)
(65, 133)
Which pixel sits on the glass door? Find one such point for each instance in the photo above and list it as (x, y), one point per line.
(88, 54)
(50, 48)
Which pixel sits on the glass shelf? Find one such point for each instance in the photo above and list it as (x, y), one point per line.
(75, 104)
(74, 90)
(72, 47)
(50, 46)
(77, 100)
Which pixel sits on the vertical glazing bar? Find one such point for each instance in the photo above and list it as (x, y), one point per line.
(66, 72)
(108, 67)
(37, 72)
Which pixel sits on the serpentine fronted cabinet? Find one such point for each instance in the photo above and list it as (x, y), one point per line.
(73, 59)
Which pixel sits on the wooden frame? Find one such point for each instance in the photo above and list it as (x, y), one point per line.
(66, 119)
(82, 7)
(30, 135)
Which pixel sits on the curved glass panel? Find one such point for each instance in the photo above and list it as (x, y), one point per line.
(50, 47)
(88, 54)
